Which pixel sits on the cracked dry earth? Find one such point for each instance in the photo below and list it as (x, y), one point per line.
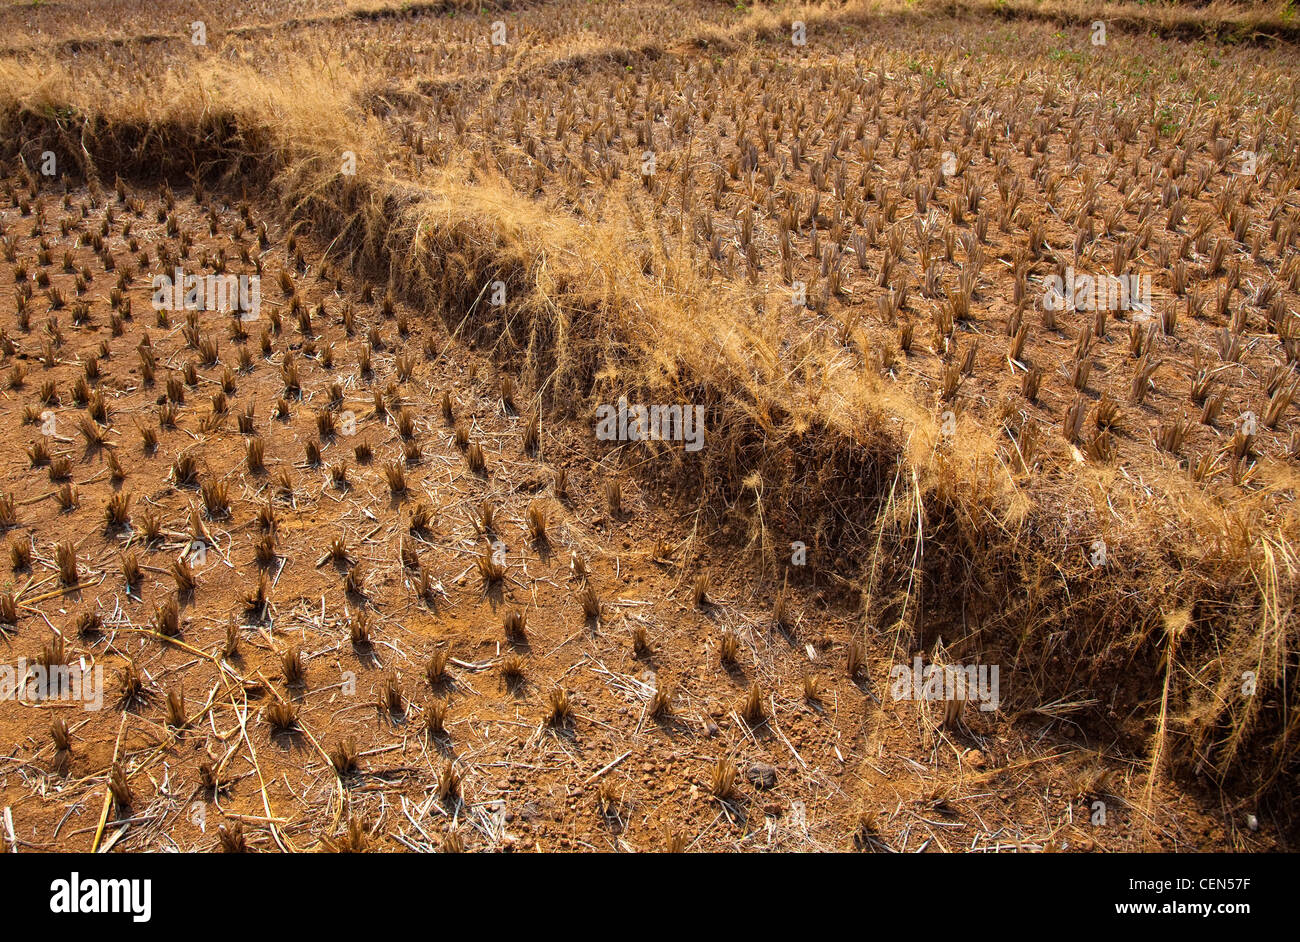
(347, 672)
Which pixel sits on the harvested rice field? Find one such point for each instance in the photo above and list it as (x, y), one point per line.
(649, 427)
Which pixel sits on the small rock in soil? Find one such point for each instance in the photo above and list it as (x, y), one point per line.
(762, 775)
